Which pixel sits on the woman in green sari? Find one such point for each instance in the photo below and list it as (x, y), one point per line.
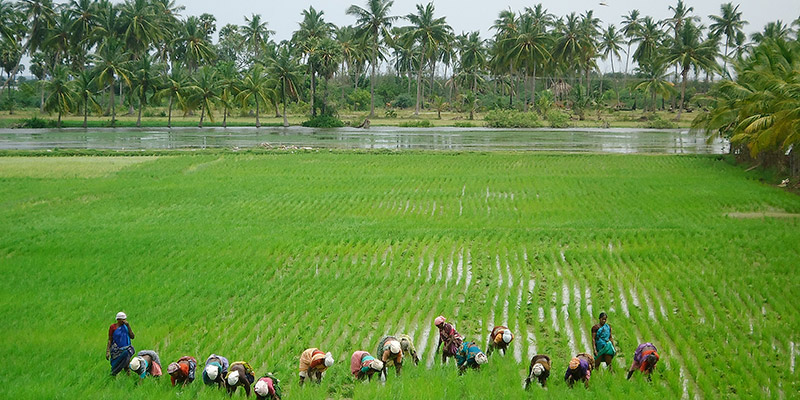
(603, 343)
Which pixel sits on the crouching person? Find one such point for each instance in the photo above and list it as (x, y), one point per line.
(539, 370)
(146, 362)
(580, 369)
(470, 356)
(267, 388)
(313, 364)
(241, 374)
(645, 359)
(364, 365)
(182, 372)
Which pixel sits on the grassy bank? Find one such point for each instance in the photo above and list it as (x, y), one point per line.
(619, 119)
(258, 256)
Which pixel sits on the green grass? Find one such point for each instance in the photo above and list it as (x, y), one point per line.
(257, 256)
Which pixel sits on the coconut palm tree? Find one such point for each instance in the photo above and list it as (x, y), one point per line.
(286, 72)
(229, 86)
(326, 60)
(373, 24)
(144, 82)
(655, 79)
(174, 85)
(255, 34)
(313, 29)
(610, 46)
(60, 93)
(730, 24)
(472, 52)
(429, 32)
(689, 51)
(254, 86)
(527, 48)
(204, 92)
(192, 42)
(650, 38)
(112, 66)
(139, 26)
(775, 30)
(85, 86)
(631, 24)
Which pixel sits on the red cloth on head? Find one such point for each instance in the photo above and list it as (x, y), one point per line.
(646, 353)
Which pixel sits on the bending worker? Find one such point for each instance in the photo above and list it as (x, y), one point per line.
(363, 365)
(268, 387)
(580, 369)
(313, 364)
(215, 370)
(499, 339)
(449, 337)
(645, 359)
(602, 341)
(391, 353)
(470, 356)
(539, 369)
(146, 362)
(240, 373)
(407, 344)
(182, 372)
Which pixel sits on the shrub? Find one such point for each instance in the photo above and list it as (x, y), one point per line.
(403, 100)
(421, 123)
(558, 119)
(511, 119)
(323, 121)
(659, 123)
(390, 114)
(37, 123)
(464, 124)
(359, 99)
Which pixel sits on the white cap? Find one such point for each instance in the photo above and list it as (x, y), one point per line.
(212, 371)
(538, 369)
(377, 365)
(261, 388)
(481, 359)
(122, 315)
(328, 359)
(507, 336)
(394, 347)
(233, 378)
(136, 362)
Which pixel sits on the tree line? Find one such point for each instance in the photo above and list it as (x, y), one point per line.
(91, 55)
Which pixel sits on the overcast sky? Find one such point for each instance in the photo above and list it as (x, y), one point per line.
(470, 15)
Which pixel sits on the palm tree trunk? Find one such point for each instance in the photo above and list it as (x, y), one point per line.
(533, 86)
(419, 80)
(371, 83)
(59, 119)
(41, 98)
(313, 92)
(169, 113)
(283, 90)
(85, 111)
(113, 108)
(683, 92)
(616, 82)
(258, 122)
(225, 115)
(202, 114)
(725, 59)
(139, 117)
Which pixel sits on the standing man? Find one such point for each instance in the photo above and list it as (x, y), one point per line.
(119, 349)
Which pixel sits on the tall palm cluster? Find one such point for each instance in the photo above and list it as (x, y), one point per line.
(759, 111)
(95, 55)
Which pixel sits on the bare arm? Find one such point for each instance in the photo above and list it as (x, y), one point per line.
(130, 330)
(594, 340)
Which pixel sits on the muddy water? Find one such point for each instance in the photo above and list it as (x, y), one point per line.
(474, 139)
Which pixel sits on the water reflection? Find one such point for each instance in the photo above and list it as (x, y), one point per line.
(474, 139)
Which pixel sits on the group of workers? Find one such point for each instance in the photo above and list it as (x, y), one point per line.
(390, 352)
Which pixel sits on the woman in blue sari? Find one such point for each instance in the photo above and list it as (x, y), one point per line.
(604, 350)
(119, 349)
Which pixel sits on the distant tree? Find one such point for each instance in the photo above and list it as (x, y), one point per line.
(60, 93)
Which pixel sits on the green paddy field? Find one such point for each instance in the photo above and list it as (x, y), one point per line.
(259, 256)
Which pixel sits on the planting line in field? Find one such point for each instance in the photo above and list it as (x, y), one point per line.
(469, 270)
(440, 271)
(792, 356)
(635, 298)
(505, 312)
(554, 314)
(518, 344)
(460, 266)
(423, 343)
(499, 272)
(651, 312)
(508, 273)
(449, 275)
(576, 293)
(684, 384)
(588, 296)
(565, 313)
(623, 303)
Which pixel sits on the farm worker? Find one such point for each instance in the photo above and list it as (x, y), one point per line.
(267, 387)
(448, 336)
(240, 373)
(499, 339)
(539, 369)
(580, 369)
(407, 344)
(215, 370)
(645, 359)
(363, 365)
(119, 349)
(602, 341)
(391, 353)
(182, 371)
(146, 361)
(313, 363)
(470, 356)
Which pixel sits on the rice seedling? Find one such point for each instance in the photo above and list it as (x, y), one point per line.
(259, 256)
